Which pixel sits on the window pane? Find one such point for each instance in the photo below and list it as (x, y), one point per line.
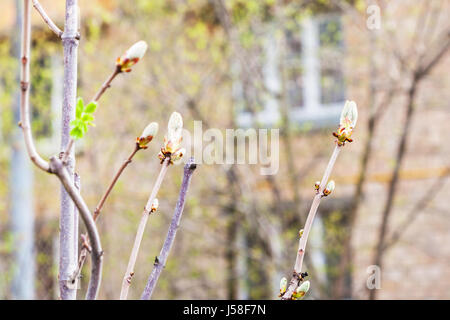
(331, 57)
(294, 74)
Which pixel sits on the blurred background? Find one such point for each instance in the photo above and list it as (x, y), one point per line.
(235, 64)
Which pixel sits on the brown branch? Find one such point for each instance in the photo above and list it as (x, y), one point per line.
(140, 232)
(47, 19)
(106, 84)
(85, 238)
(418, 75)
(428, 197)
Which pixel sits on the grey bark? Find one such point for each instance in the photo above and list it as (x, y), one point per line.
(170, 238)
(68, 255)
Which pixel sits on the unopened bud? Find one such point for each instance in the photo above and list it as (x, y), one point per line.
(349, 114)
(147, 135)
(329, 188)
(174, 133)
(283, 285)
(132, 56)
(300, 233)
(301, 290)
(347, 122)
(155, 205)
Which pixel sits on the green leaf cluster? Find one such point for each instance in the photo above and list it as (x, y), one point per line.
(83, 117)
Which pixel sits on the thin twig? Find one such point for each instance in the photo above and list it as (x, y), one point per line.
(85, 238)
(140, 232)
(297, 276)
(47, 19)
(106, 84)
(96, 97)
(160, 262)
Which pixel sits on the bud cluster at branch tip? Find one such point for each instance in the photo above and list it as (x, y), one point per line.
(347, 123)
(329, 188)
(131, 56)
(147, 135)
(155, 205)
(301, 291)
(283, 286)
(172, 141)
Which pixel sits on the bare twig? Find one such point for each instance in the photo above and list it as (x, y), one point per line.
(160, 262)
(297, 275)
(106, 84)
(140, 232)
(85, 238)
(47, 19)
(97, 96)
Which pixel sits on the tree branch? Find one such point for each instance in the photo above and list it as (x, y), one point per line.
(140, 232)
(431, 193)
(297, 275)
(25, 90)
(160, 262)
(55, 165)
(85, 238)
(47, 19)
(61, 171)
(106, 84)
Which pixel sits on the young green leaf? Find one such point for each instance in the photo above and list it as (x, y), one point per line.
(79, 107)
(87, 117)
(91, 107)
(76, 133)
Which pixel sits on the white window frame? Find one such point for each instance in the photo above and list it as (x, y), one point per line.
(312, 111)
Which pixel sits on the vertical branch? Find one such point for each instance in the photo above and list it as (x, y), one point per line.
(68, 257)
(140, 232)
(393, 183)
(160, 263)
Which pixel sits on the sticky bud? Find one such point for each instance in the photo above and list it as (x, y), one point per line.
(349, 114)
(155, 205)
(174, 133)
(329, 188)
(301, 290)
(347, 123)
(131, 56)
(147, 135)
(283, 285)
